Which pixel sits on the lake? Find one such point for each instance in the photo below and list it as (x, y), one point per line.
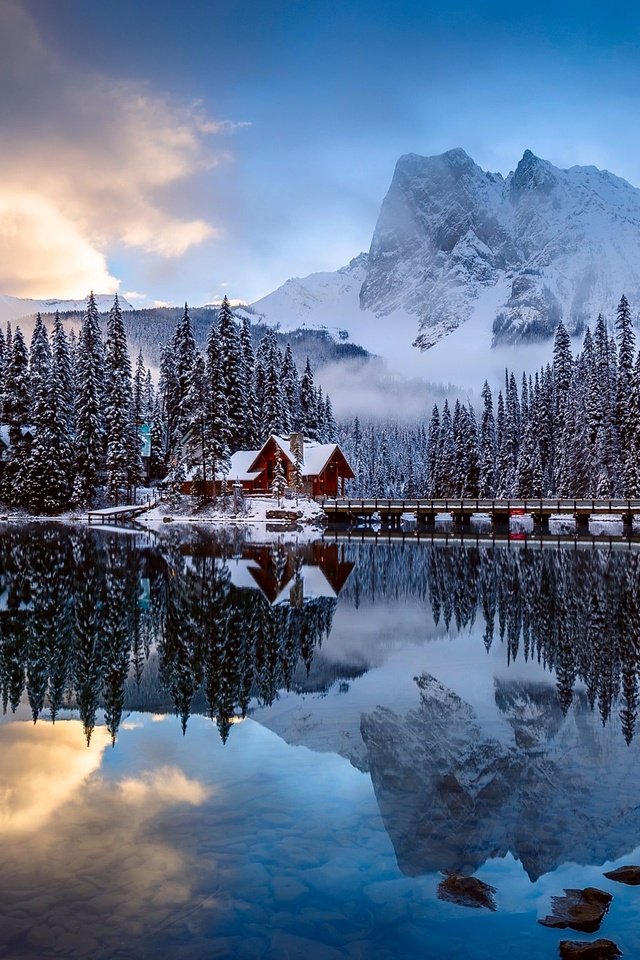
(212, 747)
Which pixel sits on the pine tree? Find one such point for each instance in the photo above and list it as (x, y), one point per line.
(123, 463)
(158, 442)
(17, 400)
(39, 363)
(51, 460)
(488, 450)
(446, 456)
(329, 420)
(298, 464)
(140, 402)
(628, 427)
(218, 427)
(62, 361)
(272, 418)
(90, 431)
(308, 412)
(233, 366)
(291, 389)
(195, 439)
(433, 451)
(279, 482)
(250, 437)
(148, 398)
(185, 352)
(17, 409)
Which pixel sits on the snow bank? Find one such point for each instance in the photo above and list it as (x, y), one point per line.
(256, 510)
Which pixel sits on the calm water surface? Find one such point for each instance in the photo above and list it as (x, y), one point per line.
(275, 751)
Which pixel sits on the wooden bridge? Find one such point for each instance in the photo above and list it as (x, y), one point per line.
(129, 511)
(389, 512)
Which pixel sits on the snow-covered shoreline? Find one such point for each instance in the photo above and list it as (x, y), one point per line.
(306, 516)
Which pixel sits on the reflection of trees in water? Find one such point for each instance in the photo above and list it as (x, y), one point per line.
(577, 612)
(80, 611)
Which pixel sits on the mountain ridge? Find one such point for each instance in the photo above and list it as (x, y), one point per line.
(551, 243)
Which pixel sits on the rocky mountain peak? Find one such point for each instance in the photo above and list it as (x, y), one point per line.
(454, 243)
(532, 173)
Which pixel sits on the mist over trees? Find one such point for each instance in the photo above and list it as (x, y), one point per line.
(572, 430)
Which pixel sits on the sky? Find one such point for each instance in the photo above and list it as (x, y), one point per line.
(189, 150)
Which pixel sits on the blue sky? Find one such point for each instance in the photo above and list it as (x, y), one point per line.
(224, 147)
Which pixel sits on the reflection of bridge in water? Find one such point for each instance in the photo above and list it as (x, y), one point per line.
(464, 512)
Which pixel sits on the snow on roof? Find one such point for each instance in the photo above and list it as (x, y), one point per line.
(316, 455)
(240, 572)
(240, 463)
(5, 437)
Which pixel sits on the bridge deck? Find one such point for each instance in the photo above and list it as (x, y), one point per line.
(425, 507)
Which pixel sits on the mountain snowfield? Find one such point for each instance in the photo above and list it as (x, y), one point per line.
(465, 265)
(15, 308)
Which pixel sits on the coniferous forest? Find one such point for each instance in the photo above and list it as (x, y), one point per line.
(73, 407)
(572, 430)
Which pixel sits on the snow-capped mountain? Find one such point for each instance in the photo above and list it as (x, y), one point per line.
(455, 246)
(14, 308)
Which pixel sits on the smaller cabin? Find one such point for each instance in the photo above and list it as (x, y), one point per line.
(9, 433)
(324, 467)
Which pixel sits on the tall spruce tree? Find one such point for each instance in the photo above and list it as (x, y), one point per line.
(488, 452)
(122, 462)
(308, 411)
(233, 366)
(89, 428)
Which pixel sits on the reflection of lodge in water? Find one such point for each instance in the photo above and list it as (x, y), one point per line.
(282, 574)
(89, 621)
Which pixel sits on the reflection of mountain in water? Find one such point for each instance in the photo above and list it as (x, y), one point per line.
(82, 612)
(94, 620)
(577, 612)
(452, 796)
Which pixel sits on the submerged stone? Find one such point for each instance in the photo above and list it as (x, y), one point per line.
(598, 950)
(627, 874)
(467, 891)
(579, 909)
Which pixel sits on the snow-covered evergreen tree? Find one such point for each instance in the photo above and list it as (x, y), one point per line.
(123, 465)
(89, 425)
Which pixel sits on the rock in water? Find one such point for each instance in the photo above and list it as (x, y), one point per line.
(466, 891)
(628, 874)
(598, 950)
(579, 909)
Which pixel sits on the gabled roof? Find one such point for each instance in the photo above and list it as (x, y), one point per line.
(241, 462)
(316, 455)
(5, 437)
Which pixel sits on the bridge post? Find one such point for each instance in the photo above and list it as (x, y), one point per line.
(582, 522)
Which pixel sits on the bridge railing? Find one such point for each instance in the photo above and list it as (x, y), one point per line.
(479, 505)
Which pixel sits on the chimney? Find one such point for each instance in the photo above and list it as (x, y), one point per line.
(296, 442)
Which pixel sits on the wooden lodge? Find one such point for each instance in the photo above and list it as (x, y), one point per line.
(324, 467)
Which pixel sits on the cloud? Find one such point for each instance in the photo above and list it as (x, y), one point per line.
(43, 768)
(88, 163)
(161, 787)
(369, 390)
